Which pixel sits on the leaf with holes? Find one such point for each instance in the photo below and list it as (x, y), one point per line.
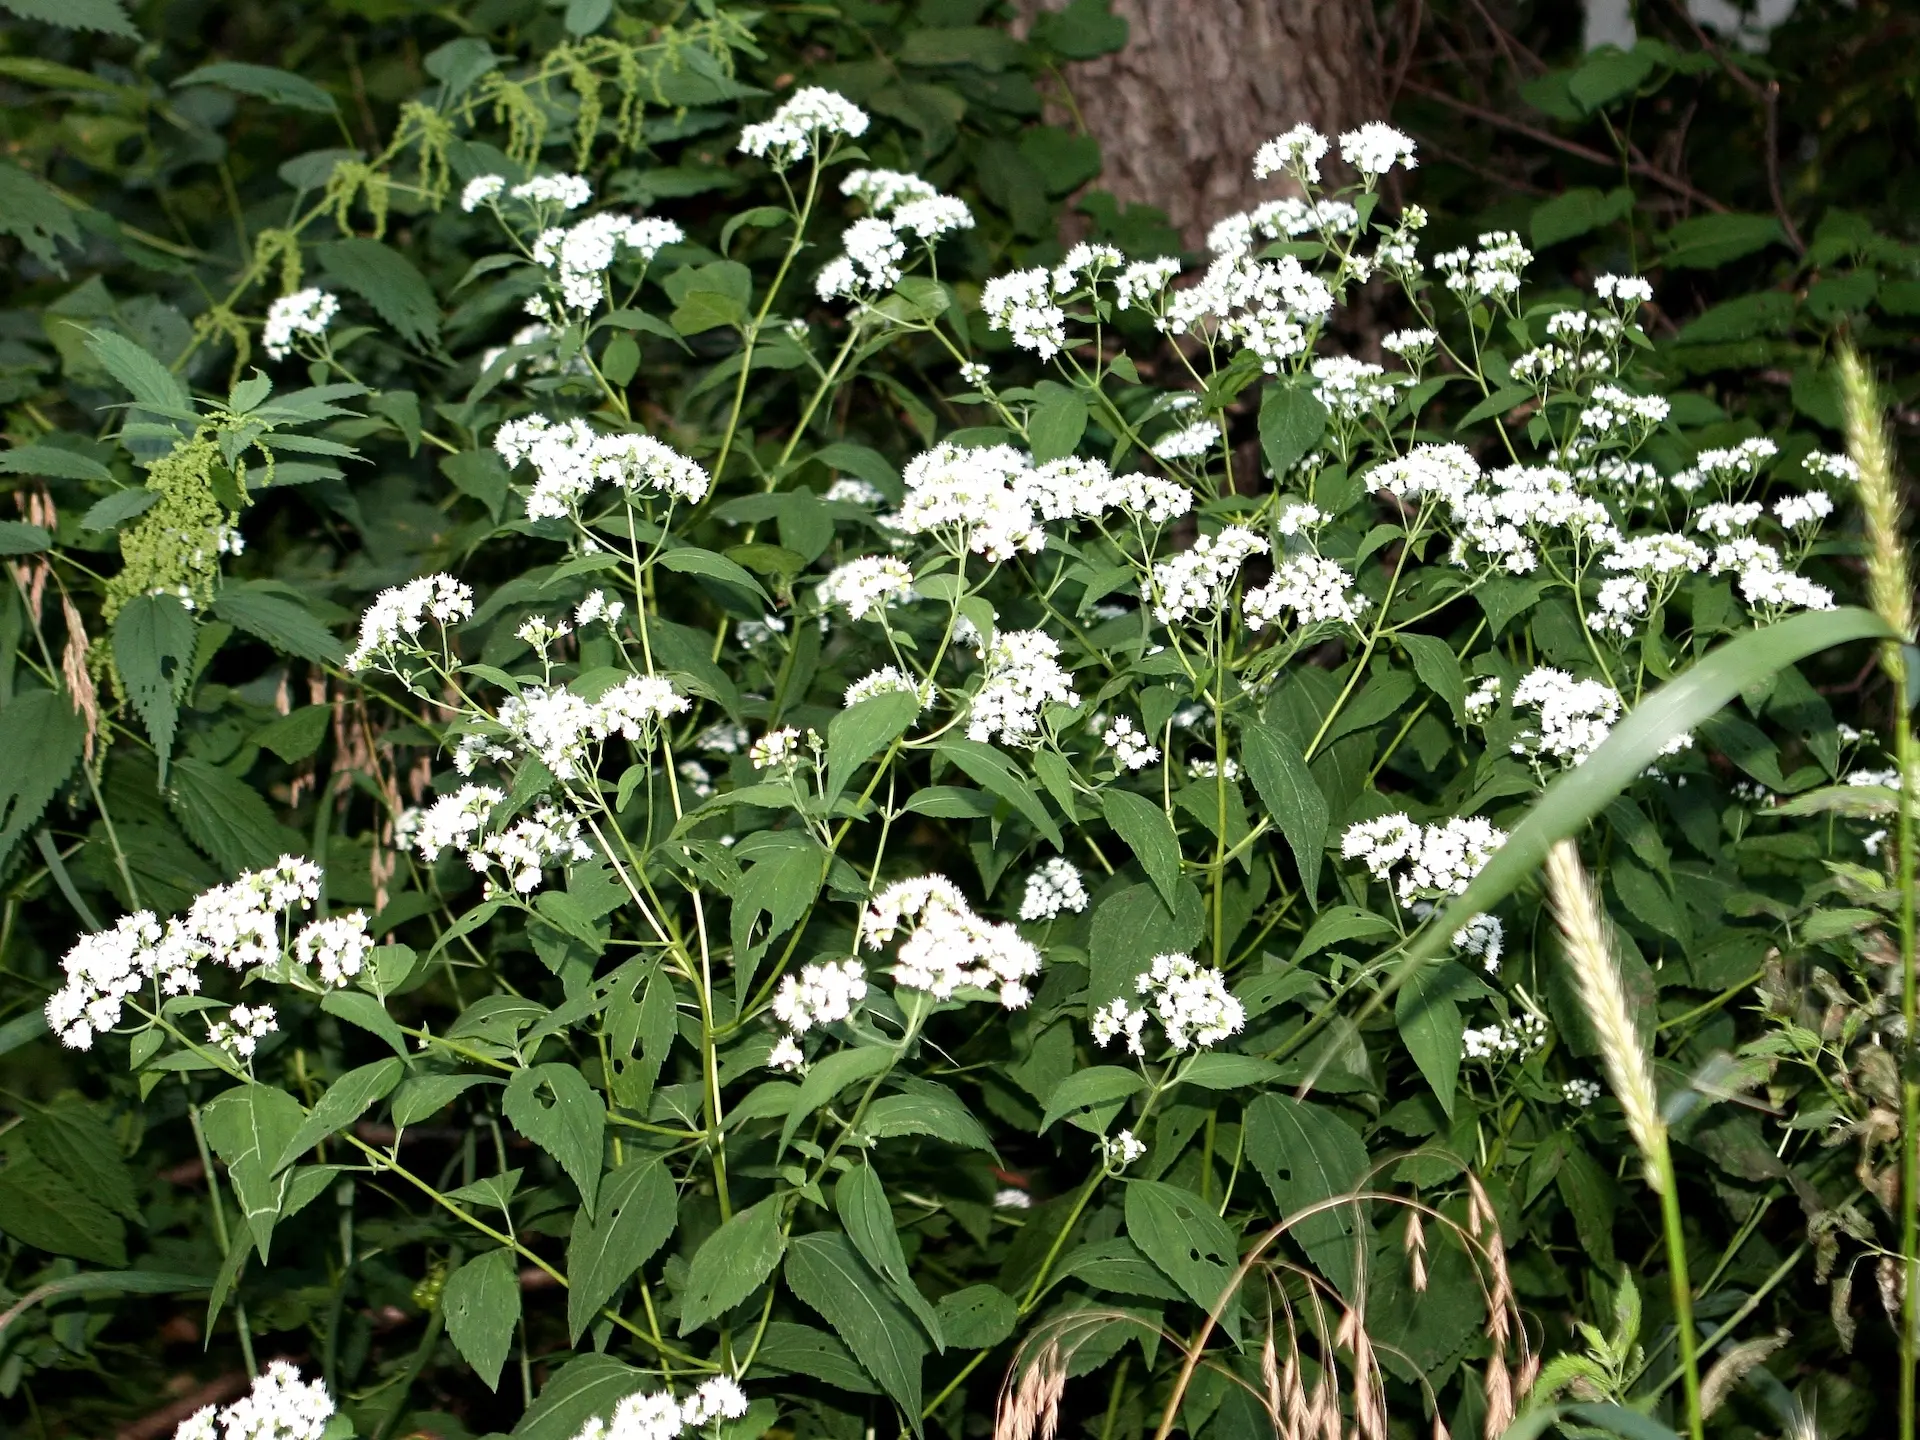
(638, 1210)
(1187, 1239)
(568, 1126)
(153, 638)
(482, 1307)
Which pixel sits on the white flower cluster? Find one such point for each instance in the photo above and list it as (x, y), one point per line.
(776, 750)
(1804, 511)
(569, 459)
(1726, 469)
(1272, 308)
(947, 945)
(1131, 749)
(1352, 389)
(658, 1416)
(544, 194)
(1194, 583)
(242, 1031)
(549, 836)
(1483, 699)
(1575, 715)
(1054, 887)
(821, 994)
(1311, 589)
(1765, 581)
(1190, 1001)
(1482, 937)
(1374, 149)
(1023, 674)
(580, 255)
(965, 497)
(397, 616)
(1076, 489)
(1432, 860)
(1515, 1038)
(1189, 442)
(1291, 217)
(889, 680)
(1491, 271)
(865, 586)
(1025, 305)
(336, 947)
(305, 312)
(562, 728)
(238, 925)
(1121, 1150)
(1580, 1093)
(796, 129)
(875, 247)
(281, 1406)
(1297, 153)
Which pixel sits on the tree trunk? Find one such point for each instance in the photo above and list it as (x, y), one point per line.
(1201, 83)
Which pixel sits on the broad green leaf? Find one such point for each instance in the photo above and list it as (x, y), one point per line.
(586, 1386)
(118, 508)
(70, 1137)
(1182, 1234)
(978, 1317)
(1428, 1014)
(1609, 74)
(296, 735)
(43, 1208)
(1341, 922)
(40, 738)
(802, 1350)
(731, 1264)
(59, 464)
(1308, 1156)
(1117, 1266)
(427, 1095)
(690, 560)
(1089, 1098)
(780, 888)
(387, 281)
(1291, 423)
(638, 1211)
(356, 1007)
(17, 537)
(831, 1074)
(114, 1282)
(1056, 423)
(860, 1199)
(1607, 1418)
(825, 1273)
(346, 1100)
(568, 1126)
(249, 1127)
(227, 818)
(282, 623)
(991, 770)
(153, 640)
(1149, 834)
(108, 17)
(1439, 670)
(861, 731)
(151, 384)
(1709, 240)
(928, 1109)
(263, 82)
(1216, 1071)
(1130, 927)
(1286, 787)
(32, 211)
(481, 1304)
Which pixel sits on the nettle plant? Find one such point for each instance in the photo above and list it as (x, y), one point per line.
(869, 915)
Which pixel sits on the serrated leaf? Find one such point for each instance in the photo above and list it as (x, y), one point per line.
(1149, 834)
(1214, 1070)
(54, 463)
(153, 640)
(40, 739)
(106, 17)
(831, 1074)
(691, 560)
(226, 817)
(69, 1137)
(284, 624)
(387, 281)
(426, 1095)
(118, 508)
(1181, 1233)
(569, 1126)
(828, 1276)
(248, 1127)
(481, 1304)
(1439, 669)
(263, 82)
(978, 1317)
(1291, 423)
(585, 1386)
(731, 1264)
(638, 1211)
(1308, 1156)
(346, 1100)
(1081, 1097)
(861, 731)
(1286, 787)
(41, 1207)
(151, 384)
(356, 1007)
(991, 770)
(17, 537)
(1427, 1012)
(297, 734)
(927, 1112)
(1056, 423)
(860, 1199)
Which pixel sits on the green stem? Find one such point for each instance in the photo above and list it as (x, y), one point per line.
(1676, 1241)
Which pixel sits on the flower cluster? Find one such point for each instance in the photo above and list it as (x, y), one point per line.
(1130, 748)
(1191, 1002)
(1194, 583)
(242, 1031)
(549, 836)
(563, 728)
(1023, 674)
(798, 128)
(947, 945)
(280, 1406)
(305, 312)
(1509, 1039)
(397, 616)
(580, 255)
(1054, 887)
(821, 994)
(1310, 589)
(570, 459)
(1575, 715)
(238, 925)
(865, 586)
(656, 1415)
(1423, 862)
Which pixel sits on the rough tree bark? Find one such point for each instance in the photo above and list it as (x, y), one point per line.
(1180, 111)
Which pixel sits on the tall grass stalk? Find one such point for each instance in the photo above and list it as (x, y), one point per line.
(1890, 590)
(1604, 997)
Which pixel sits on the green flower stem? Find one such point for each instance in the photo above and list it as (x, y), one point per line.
(220, 1234)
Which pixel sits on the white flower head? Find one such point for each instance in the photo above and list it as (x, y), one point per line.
(1055, 886)
(305, 312)
(1297, 153)
(1375, 148)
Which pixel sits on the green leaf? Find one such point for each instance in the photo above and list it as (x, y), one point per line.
(226, 817)
(108, 17)
(705, 310)
(691, 560)
(1216, 1071)
(427, 1095)
(263, 82)
(1577, 212)
(41, 1207)
(356, 1007)
(1429, 1019)
(34, 214)
(934, 1111)
(860, 1199)
(346, 1100)
(297, 734)
(153, 639)
(991, 770)
(1608, 74)
(248, 1127)
(1338, 923)
(1286, 787)
(40, 738)
(803, 1350)
(1709, 240)
(1308, 1156)
(70, 1138)
(863, 463)
(978, 1317)
(638, 1211)
(284, 624)
(1081, 30)
(1291, 424)
(861, 731)
(151, 384)
(1117, 1266)
(1130, 927)
(387, 281)
(1149, 834)
(1057, 422)
(1439, 669)
(1089, 1098)
(56, 463)
(780, 886)
(569, 1128)
(731, 1264)
(1498, 403)
(482, 1308)
(585, 1386)
(825, 1273)
(1611, 1419)
(118, 508)
(831, 1074)
(1181, 1233)
(17, 537)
